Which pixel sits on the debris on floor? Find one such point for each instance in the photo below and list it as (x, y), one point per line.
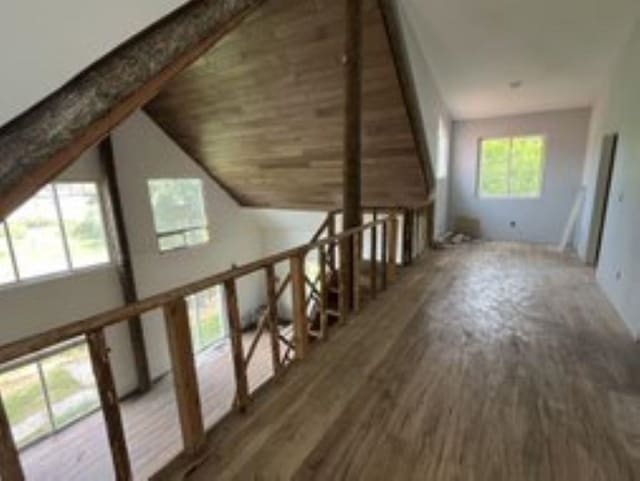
(453, 239)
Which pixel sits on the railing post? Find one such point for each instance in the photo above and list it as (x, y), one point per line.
(185, 379)
(356, 251)
(373, 254)
(332, 233)
(10, 467)
(272, 307)
(99, 354)
(393, 248)
(407, 237)
(237, 348)
(324, 294)
(300, 321)
(343, 282)
(384, 254)
(431, 216)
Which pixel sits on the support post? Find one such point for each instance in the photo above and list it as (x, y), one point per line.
(99, 354)
(125, 268)
(352, 175)
(237, 348)
(270, 271)
(184, 375)
(300, 321)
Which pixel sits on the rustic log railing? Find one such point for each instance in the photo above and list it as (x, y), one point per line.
(382, 259)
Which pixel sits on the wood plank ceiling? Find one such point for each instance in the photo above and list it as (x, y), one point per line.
(263, 111)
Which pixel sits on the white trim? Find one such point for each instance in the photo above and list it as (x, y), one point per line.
(70, 270)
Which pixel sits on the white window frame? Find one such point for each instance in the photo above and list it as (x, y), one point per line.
(509, 196)
(37, 361)
(69, 270)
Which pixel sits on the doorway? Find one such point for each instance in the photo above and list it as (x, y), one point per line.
(603, 191)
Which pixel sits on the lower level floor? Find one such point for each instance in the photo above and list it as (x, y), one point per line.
(487, 362)
(80, 452)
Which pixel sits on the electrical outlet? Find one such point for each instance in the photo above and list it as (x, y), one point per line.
(618, 275)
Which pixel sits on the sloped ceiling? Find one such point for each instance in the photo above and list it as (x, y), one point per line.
(263, 111)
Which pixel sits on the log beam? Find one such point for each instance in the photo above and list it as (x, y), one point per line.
(39, 144)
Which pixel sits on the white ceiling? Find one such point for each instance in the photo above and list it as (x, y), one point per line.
(45, 44)
(561, 51)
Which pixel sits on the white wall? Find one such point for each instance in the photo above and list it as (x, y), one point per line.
(619, 111)
(45, 44)
(435, 114)
(33, 306)
(537, 220)
(285, 229)
(143, 151)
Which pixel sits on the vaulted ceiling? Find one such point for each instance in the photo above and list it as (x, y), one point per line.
(263, 110)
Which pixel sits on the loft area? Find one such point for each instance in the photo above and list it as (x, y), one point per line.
(241, 238)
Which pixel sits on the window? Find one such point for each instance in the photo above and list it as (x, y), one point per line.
(59, 229)
(44, 395)
(178, 213)
(443, 150)
(7, 271)
(205, 318)
(512, 167)
(83, 226)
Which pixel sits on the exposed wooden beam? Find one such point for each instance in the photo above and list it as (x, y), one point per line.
(41, 143)
(125, 267)
(391, 17)
(352, 172)
(352, 168)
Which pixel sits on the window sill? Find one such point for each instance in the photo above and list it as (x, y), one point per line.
(56, 276)
(509, 197)
(178, 250)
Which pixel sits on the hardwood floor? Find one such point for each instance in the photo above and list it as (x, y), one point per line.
(81, 453)
(490, 362)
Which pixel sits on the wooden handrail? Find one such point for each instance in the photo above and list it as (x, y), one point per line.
(22, 347)
(176, 319)
(321, 229)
